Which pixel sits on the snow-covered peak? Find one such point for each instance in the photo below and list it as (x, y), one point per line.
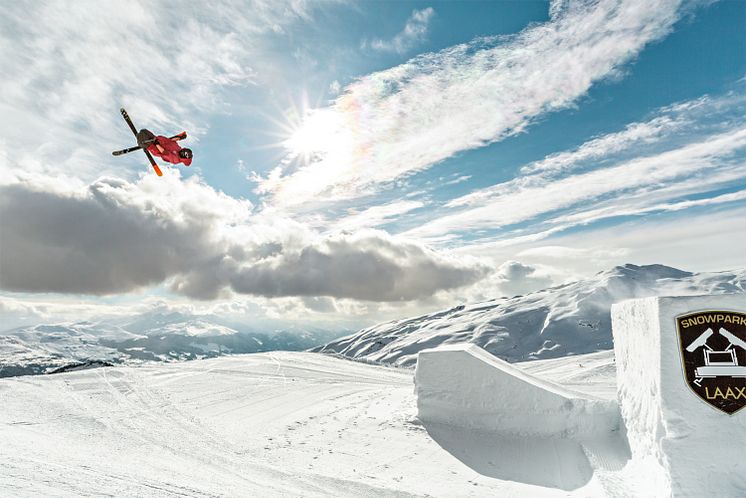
(646, 272)
(569, 319)
(194, 328)
(81, 331)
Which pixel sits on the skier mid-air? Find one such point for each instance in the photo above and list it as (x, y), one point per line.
(164, 147)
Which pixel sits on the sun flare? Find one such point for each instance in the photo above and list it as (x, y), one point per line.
(320, 132)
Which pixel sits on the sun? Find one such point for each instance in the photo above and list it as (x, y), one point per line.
(319, 134)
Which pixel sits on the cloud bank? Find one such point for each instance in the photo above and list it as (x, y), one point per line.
(116, 236)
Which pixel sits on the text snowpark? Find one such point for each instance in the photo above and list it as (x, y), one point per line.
(714, 318)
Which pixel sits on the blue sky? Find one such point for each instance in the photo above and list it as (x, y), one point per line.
(356, 161)
(704, 55)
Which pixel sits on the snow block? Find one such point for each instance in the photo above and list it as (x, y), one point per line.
(686, 446)
(465, 386)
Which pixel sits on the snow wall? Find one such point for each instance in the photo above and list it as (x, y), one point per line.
(464, 386)
(689, 447)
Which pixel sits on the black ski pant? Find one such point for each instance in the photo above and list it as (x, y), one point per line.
(145, 138)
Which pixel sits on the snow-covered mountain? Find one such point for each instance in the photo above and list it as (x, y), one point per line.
(34, 350)
(149, 337)
(559, 321)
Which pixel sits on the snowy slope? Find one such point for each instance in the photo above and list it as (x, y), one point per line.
(152, 337)
(270, 424)
(555, 322)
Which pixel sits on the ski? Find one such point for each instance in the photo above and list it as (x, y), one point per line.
(153, 163)
(134, 131)
(126, 151)
(128, 121)
(180, 136)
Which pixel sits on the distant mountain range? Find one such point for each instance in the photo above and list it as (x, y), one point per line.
(149, 337)
(559, 321)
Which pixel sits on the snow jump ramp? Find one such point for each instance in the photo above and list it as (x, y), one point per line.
(676, 426)
(464, 385)
(507, 424)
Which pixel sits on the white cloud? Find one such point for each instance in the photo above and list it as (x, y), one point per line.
(558, 254)
(376, 215)
(335, 87)
(516, 278)
(608, 144)
(68, 67)
(526, 198)
(694, 148)
(669, 121)
(414, 32)
(367, 265)
(405, 119)
(638, 208)
(115, 236)
(458, 180)
(706, 241)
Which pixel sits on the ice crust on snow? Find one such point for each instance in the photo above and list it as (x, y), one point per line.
(687, 447)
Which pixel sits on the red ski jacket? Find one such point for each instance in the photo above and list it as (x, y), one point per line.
(170, 150)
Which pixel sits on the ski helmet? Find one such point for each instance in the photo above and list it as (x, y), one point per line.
(185, 153)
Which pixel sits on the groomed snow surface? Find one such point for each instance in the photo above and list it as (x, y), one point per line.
(306, 424)
(279, 424)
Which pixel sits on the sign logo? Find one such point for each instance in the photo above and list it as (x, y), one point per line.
(713, 352)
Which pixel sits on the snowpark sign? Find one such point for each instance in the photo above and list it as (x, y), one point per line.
(713, 354)
(665, 348)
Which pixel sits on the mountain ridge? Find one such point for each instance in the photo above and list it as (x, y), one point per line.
(48, 348)
(568, 319)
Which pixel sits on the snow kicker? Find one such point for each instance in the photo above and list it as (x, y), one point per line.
(680, 385)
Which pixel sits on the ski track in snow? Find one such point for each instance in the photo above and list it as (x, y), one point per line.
(272, 424)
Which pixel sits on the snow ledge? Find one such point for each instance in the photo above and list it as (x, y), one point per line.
(465, 386)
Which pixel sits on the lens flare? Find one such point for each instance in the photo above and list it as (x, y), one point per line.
(318, 134)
